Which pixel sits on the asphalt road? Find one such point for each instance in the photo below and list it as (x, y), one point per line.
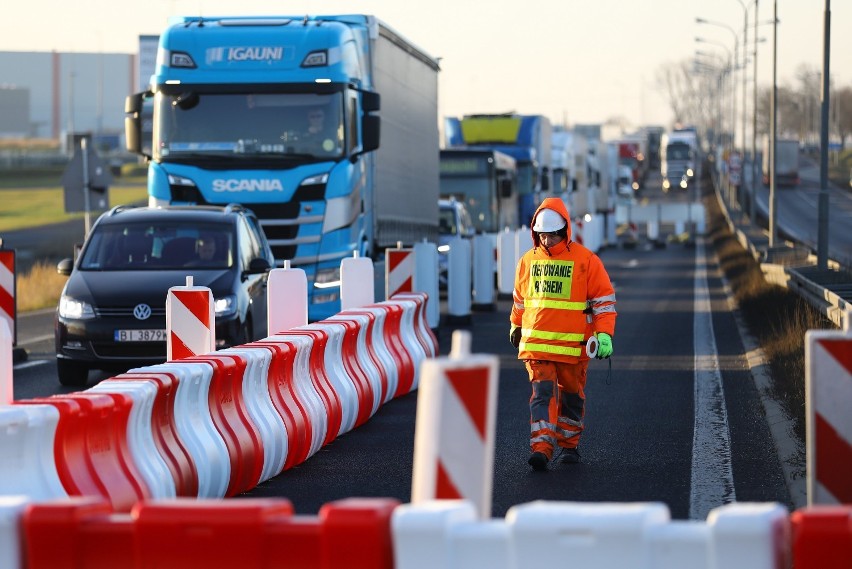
(677, 418)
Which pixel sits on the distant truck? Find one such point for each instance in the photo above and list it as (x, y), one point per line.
(678, 158)
(786, 162)
(229, 116)
(526, 138)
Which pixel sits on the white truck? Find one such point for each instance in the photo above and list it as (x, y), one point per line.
(786, 162)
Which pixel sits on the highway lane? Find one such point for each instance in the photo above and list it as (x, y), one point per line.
(648, 421)
(798, 212)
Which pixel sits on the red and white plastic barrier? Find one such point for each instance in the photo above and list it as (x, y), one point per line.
(190, 323)
(28, 465)
(287, 294)
(454, 434)
(828, 386)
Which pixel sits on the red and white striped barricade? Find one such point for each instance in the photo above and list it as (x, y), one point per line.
(166, 436)
(8, 294)
(357, 282)
(287, 299)
(304, 387)
(28, 464)
(828, 388)
(399, 270)
(426, 280)
(273, 433)
(455, 429)
(378, 347)
(140, 434)
(190, 321)
(195, 423)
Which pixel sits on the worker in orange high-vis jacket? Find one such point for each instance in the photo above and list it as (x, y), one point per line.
(562, 297)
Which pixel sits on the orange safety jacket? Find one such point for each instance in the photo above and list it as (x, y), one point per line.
(562, 296)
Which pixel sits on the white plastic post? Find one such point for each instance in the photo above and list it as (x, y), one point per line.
(7, 394)
(459, 280)
(506, 262)
(483, 272)
(357, 282)
(426, 280)
(287, 299)
(454, 433)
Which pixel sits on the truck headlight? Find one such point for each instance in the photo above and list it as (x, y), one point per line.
(327, 278)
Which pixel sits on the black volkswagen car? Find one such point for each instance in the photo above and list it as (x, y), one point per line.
(112, 312)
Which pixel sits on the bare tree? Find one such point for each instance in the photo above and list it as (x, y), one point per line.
(841, 106)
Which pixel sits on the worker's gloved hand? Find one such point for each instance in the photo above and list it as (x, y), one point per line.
(604, 345)
(515, 336)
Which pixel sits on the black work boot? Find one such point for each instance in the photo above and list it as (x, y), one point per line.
(538, 461)
(569, 456)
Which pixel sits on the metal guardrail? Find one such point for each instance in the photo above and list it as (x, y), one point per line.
(794, 267)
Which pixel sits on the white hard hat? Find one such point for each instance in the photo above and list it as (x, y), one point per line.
(548, 220)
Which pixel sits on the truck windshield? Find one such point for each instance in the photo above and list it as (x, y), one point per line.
(679, 151)
(194, 126)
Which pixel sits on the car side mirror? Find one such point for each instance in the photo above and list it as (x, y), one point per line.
(65, 266)
(258, 265)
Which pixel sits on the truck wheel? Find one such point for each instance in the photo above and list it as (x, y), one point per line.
(72, 374)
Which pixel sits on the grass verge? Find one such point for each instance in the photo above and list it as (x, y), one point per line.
(777, 318)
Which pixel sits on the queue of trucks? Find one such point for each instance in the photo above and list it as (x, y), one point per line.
(229, 116)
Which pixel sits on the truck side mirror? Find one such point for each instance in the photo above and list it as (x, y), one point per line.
(370, 101)
(505, 188)
(370, 129)
(545, 180)
(133, 106)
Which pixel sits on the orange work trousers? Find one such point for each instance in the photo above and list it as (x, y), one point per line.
(557, 404)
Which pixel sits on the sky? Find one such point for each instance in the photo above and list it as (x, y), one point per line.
(575, 61)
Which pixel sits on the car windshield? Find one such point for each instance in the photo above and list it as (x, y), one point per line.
(161, 245)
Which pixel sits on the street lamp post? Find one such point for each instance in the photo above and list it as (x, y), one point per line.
(733, 93)
(773, 123)
(822, 233)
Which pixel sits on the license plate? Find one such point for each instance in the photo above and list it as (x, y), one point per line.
(140, 335)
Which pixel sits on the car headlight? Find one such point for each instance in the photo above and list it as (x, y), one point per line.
(225, 306)
(327, 278)
(77, 309)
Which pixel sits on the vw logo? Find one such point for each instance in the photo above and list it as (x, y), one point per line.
(142, 311)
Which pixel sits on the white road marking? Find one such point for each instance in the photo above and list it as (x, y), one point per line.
(712, 482)
(33, 363)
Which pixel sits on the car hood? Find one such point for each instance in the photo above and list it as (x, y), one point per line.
(128, 288)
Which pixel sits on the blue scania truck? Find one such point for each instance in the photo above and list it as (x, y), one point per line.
(283, 115)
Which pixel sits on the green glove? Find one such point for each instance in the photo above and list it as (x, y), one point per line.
(515, 336)
(605, 345)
